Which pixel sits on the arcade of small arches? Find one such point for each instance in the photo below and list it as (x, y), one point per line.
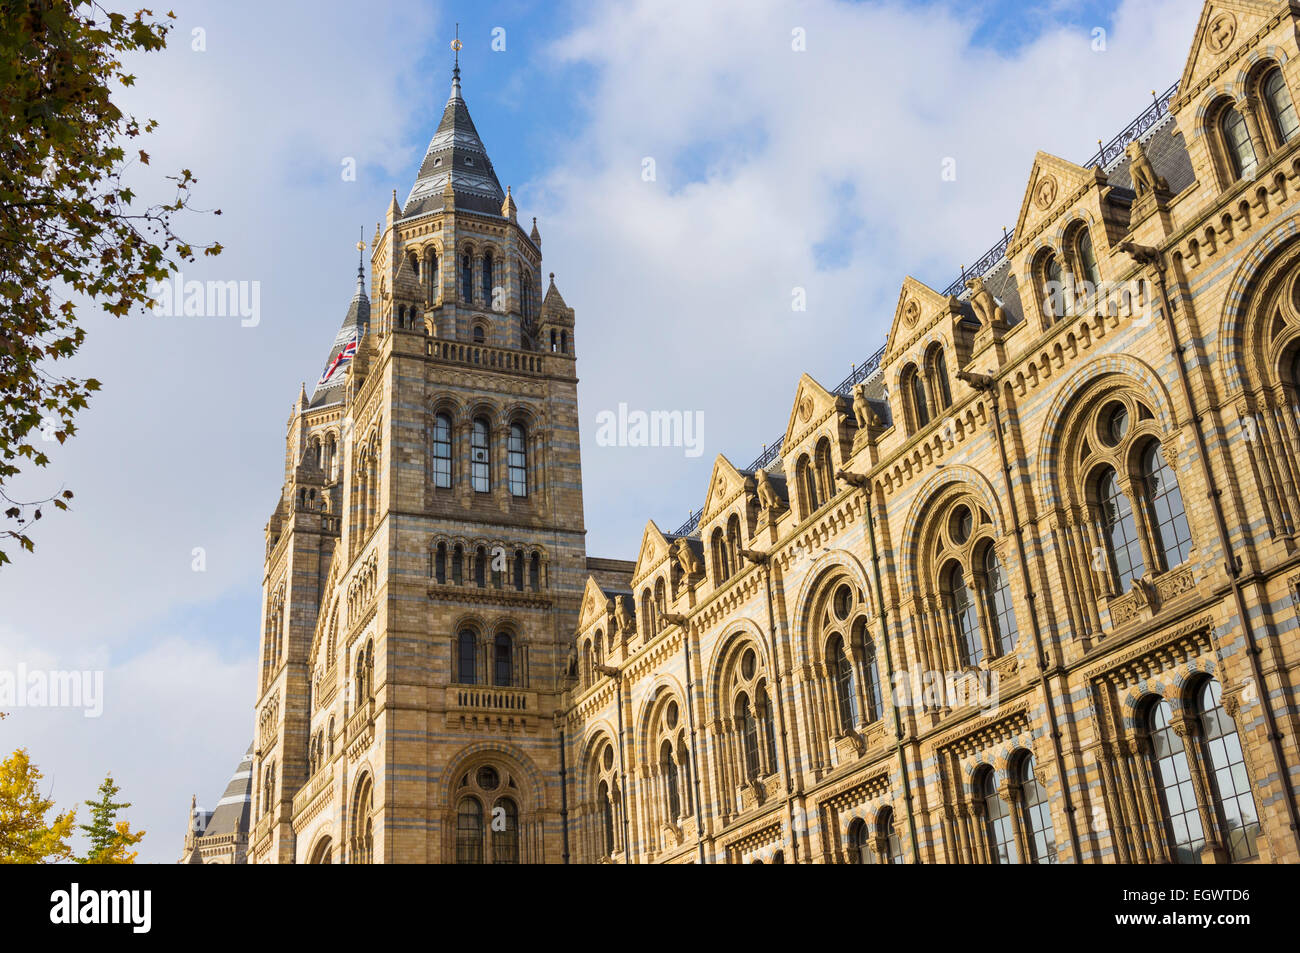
(469, 450)
(496, 656)
(488, 565)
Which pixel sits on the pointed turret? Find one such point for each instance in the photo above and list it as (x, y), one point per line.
(355, 324)
(456, 162)
(535, 235)
(508, 209)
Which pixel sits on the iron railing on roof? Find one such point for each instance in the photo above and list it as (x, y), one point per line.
(1107, 156)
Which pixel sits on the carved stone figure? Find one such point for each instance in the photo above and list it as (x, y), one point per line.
(1142, 171)
(768, 498)
(984, 304)
(622, 618)
(686, 558)
(866, 417)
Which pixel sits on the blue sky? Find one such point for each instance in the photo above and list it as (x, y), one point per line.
(776, 170)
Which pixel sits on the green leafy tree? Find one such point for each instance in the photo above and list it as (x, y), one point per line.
(70, 228)
(109, 837)
(26, 837)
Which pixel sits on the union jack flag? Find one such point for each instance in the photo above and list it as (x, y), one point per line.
(349, 351)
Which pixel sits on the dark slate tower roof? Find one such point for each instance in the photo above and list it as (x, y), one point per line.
(355, 324)
(232, 813)
(456, 151)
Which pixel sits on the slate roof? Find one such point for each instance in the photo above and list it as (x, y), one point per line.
(456, 151)
(232, 812)
(355, 322)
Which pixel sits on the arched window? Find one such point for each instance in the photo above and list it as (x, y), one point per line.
(564, 342)
(1281, 109)
(480, 567)
(588, 672)
(1229, 787)
(440, 564)
(860, 851)
(1001, 613)
(1087, 261)
(893, 844)
(914, 393)
(442, 451)
(363, 839)
(505, 832)
(469, 831)
(669, 770)
(767, 723)
(517, 461)
(825, 471)
(466, 278)
(871, 667)
(684, 763)
(846, 691)
(997, 823)
(1035, 814)
(721, 562)
(458, 565)
(1173, 775)
(734, 543)
(1053, 289)
(479, 335)
(807, 486)
(487, 277)
(965, 617)
(480, 458)
(503, 660)
(1165, 508)
(519, 570)
(1119, 531)
(748, 734)
(936, 374)
(607, 816)
(535, 572)
(1236, 142)
(466, 658)
(648, 616)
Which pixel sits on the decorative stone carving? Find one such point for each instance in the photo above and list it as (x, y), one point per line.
(986, 307)
(686, 559)
(911, 312)
(768, 498)
(1221, 32)
(862, 411)
(623, 618)
(1143, 173)
(1045, 192)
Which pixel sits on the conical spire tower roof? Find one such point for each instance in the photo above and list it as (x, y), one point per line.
(355, 324)
(455, 153)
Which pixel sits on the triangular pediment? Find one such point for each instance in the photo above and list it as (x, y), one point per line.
(812, 402)
(654, 547)
(1224, 24)
(918, 306)
(1053, 182)
(724, 483)
(594, 604)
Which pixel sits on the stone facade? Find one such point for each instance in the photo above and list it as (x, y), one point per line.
(1025, 589)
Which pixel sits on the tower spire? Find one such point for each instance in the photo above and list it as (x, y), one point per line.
(455, 71)
(361, 277)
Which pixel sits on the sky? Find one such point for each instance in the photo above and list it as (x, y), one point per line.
(797, 148)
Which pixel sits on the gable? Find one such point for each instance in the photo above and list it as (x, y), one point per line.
(1220, 33)
(812, 404)
(594, 604)
(724, 483)
(1054, 186)
(918, 305)
(654, 547)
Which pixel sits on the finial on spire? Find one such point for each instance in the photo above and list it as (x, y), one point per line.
(361, 278)
(456, 47)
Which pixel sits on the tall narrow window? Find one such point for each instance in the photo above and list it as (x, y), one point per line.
(466, 278)
(1236, 140)
(1120, 531)
(480, 458)
(487, 278)
(480, 567)
(466, 657)
(442, 451)
(517, 461)
(872, 669)
(1165, 507)
(1053, 288)
(440, 564)
(1001, 614)
(1088, 262)
(519, 570)
(505, 832)
(669, 771)
(503, 660)
(469, 831)
(766, 723)
(807, 485)
(846, 694)
(997, 823)
(1177, 792)
(965, 617)
(458, 565)
(535, 572)
(860, 851)
(1035, 815)
(748, 735)
(936, 369)
(1280, 107)
(607, 816)
(893, 843)
(915, 390)
(721, 565)
(1230, 788)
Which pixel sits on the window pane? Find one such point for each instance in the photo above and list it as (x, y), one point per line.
(442, 451)
(965, 618)
(1120, 532)
(1000, 611)
(1174, 778)
(846, 695)
(503, 661)
(997, 824)
(465, 659)
(480, 463)
(517, 462)
(1227, 770)
(1241, 151)
(1280, 106)
(1166, 504)
(1036, 815)
(469, 832)
(505, 832)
